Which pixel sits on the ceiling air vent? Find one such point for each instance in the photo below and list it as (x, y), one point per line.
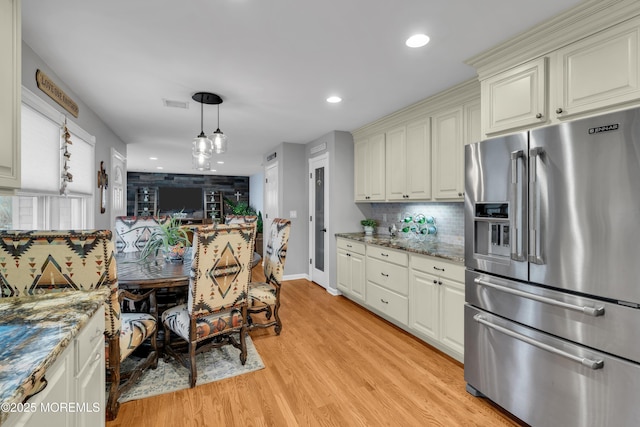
(175, 104)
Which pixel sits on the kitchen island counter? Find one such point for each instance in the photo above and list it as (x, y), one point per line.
(34, 331)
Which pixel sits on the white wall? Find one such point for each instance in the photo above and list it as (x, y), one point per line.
(256, 191)
(87, 120)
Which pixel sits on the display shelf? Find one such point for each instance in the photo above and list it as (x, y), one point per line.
(213, 205)
(146, 201)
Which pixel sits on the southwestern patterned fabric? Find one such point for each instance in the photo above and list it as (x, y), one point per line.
(38, 262)
(240, 219)
(133, 232)
(218, 284)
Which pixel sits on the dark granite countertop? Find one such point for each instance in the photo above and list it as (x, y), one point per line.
(447, 251)
(34, 331)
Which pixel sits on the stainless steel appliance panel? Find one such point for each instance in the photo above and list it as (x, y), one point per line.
(546, 381)
(496, 226)
(608, 327)
(584, 203)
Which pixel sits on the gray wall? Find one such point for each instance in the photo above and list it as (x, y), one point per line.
(256, 191)
(87, 120)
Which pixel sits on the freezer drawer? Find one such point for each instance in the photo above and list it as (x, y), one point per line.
(546, 381)
(609, 327)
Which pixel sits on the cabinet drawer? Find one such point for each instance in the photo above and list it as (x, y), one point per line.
(388, 302)
(437, 267)
(388, 255)
(390, 276)
(91, 336)
(351, 246)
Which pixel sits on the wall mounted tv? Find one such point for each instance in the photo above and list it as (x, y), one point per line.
(176, 199)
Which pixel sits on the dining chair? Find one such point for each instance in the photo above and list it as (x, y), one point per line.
(264, 297)
(132, 232)
(246, 219)
(216, 311)
(40, 262)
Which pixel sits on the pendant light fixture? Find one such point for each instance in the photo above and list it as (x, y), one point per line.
(202, 147)
(218, 138)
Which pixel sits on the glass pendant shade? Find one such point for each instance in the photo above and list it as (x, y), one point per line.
(201, 163)
(202, 146)
(219, 142)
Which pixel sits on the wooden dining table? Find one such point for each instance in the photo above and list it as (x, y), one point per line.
(155, 273)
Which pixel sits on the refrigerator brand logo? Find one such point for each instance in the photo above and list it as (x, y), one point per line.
(606, 128)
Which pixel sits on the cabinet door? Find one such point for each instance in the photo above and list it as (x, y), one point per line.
(418, 160)
(343, 274)
(515, 98)
(423, 304)
(452, 315)
(358, 282)
(599, 71)
(89, 390)
(396, 146)
(448, 159)
(10, 87)
(376, 173)
(361, 169)
(472, 122)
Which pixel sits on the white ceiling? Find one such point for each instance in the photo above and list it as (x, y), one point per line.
(273, 62)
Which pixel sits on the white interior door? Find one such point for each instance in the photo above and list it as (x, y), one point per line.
(318, 220)
(118, 186)
(270, 201)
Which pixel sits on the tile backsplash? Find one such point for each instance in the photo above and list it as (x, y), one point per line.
(449, 218)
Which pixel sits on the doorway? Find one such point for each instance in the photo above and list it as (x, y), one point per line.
(118, 184)
(319, 220)
(270, 202)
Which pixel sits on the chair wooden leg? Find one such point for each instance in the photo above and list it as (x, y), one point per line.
(243, 345)
(193, 374)
(278, 326)
(114, 374)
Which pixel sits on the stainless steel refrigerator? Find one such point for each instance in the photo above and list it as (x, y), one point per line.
(552, 254)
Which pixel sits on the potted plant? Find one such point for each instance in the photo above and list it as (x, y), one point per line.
(368, 225)
(170, 238)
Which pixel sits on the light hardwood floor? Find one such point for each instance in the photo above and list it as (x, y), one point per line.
(335, 364)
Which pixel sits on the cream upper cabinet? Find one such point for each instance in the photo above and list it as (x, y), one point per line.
(409, 161)
(515, 98)
(10, 87)
(448, 154)
(369, 169)
(597, 72)
(472, 122)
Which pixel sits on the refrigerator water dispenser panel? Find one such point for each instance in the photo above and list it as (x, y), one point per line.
(492, 230)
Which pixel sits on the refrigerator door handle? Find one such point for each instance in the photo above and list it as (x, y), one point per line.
(591, 311)
(534, 214)
(516, 216)
(590, 363)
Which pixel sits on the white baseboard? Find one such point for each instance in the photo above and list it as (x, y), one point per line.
(296, 277)
(333, 291)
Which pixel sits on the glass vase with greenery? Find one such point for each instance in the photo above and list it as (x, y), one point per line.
(171, 238)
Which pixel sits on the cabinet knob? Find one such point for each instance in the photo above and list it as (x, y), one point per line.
(559, 110)
(439, 282)
(460, 194)
(435, 282)
(539, 116)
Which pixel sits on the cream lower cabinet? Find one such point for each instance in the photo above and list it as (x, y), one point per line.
(408, 173)
(10, 90)
(436, 310)
(75, 392)
(388, 283)
(351, 268)
(369, 169)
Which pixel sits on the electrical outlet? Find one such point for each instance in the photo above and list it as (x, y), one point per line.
(384, 217)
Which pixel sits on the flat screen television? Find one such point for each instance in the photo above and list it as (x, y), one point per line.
(173, 199)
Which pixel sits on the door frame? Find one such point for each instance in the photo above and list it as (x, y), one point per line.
(322, 278)
(267, 220)
(115, 157)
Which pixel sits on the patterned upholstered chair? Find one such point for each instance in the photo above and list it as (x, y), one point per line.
(246, 219)
(38, 262)
(264, 297)
(132, 232)
(217, 303)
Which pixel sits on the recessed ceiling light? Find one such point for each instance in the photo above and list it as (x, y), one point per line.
(153, 158)
(417, 40)
(213, 170)
(334, 99)
(220, 162)
(160, 167)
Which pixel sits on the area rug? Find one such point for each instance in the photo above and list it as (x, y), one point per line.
(214, 365)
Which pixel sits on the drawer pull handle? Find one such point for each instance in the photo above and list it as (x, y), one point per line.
(97, 335)
(96, 358)
(384, 274)
(383, 301)
(439, 269)
(349, 246)
(383, 254)
(348, 254)
(589, 363)
(591, 311)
